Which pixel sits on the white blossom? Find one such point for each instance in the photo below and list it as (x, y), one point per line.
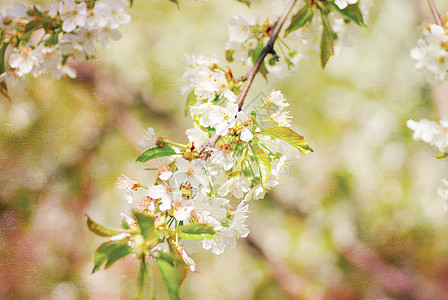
(149, 141)
(344, 3)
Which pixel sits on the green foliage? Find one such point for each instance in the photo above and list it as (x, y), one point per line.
(191, 100)
(173, 272)
(301, 18)
(263, 162)
(109, 252)
(441, 155)
(247, 2)
(352, 13)
(142, 277)
(288, 135)
(254, 55)
(327, 40)
(99, 229)
(196, 231)
(53, 39)
(156, 152)
(146, 224)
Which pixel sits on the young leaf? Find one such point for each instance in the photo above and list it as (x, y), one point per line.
(196, 231)
(99, 229)
(53, 39)
(441, 155)
(247, 2)
(156, 152)
(254, 55)
(191, 100)
(353, 13)
(146, 224)
(327, 40)
(303, 16)
(288, 135)
(176, 2)
(3, 87)
(173, 272)
(109, 252)
(142, 277)
(263, 162)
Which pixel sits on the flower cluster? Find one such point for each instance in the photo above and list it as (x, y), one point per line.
(200, 197)
(432, 53)
(36, 40)
(435, 134)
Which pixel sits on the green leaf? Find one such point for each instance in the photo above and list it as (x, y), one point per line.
(288, 135)
(142, 277)
(99, 229)
(441, 155)
(196, 231)
(173, 272)
(53, 39)
(191, 100)
(303, 16)
(247, 2)
(146, 224)
(109, 252)
(156, 152)
(3, 87)
(263, 162)
(327, 40)
(176, 2)
(255, 54)
(352, 12)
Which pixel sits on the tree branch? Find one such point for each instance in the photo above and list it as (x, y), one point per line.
(249, 78)
(267, 49)
(436, 14)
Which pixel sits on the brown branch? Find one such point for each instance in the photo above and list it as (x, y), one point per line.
(249, 78)
(436, 14)
(267, 49)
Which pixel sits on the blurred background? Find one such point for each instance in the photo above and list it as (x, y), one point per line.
(359, 218)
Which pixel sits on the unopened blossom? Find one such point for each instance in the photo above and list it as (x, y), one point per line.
(128, 185)
(149, 141)
(344, 3)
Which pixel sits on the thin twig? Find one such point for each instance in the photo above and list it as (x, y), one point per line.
(436, 14)
(249, 78)
(267, 49)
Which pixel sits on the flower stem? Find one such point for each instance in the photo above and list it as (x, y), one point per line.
(436, 14)
(267, 49)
